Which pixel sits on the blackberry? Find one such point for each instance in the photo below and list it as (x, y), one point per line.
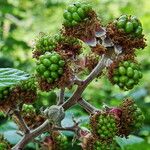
(50, 67)
(130, 25)
(132, 117)
(104, 125)
(44, 43)
(125, 74)
(4, 93)
(76, 13)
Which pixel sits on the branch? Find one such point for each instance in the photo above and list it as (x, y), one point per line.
(28, 137)
(61, 96)
(21, 121)
(87, 106)
(77, 94)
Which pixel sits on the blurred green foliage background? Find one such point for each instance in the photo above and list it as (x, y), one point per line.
(22, 20)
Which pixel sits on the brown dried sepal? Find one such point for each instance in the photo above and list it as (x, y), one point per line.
(11, 102)
(126, 119)
(33, 120)
(88, 142)
(99, 49)
(36, 54)
(85, 30)
(113, 66)
(128, 42)
(67, 50)
(64, 81)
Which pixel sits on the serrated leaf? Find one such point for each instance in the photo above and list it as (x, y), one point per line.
(10, 76)
(123, 142)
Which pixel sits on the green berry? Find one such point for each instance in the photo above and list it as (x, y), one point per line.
(46, 62)
(74, 23)
(129, 27)
(123, 17)
(138, 31)
(130, 72)
(135, 23)
(72, 8)
(126, 64)
(61, 63)
(123, 79)
(122, 70)
(67, 15)
(121, 23)
(54, 75)
(115, 79)
(60, 71)
(76, 17)
(54, 59)
(81, 13)
(54, 67)
(46, 74)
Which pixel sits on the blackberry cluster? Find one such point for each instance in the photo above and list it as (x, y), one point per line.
(126, 74)
(50, 66)
(132, 117)
(45, 43)
(104, 125)
(61, 142)
(130, 25)
(103, 145)
(76, 13)
(29, 84)
(4, 93)
(4, 145)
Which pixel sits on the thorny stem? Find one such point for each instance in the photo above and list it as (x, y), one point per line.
(61, 96)
(66, 105)
(87, 106)
(77, 94)
(22, 123)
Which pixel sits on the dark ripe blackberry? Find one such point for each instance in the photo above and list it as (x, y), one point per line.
(4, 93)
(104, 125)
(76, 13)
(132, 117)
(126, 74)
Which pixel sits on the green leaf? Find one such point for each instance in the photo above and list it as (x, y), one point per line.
(123, 142)
(10, 76)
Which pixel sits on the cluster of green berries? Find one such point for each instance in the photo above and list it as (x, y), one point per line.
(106, 126)
(127, 74)
(28, 108)
(45, 43)
(61, 142)
(4, 93)
(76, 13)
(130, 25)
(104, 145)
(28, 84)
(134, 113)
(65, 39)
(50, 66)
(3, 143)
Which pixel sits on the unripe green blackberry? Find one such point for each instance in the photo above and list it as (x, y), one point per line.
(44, 43)
(76, 13)
(130, 25)
(50, 67)
(104, 145)
(28, 109)
(104, 125)
(60, 140)
(91, 143)
(132, 117)
(4, 145)
(126, 74)
(4, 93)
